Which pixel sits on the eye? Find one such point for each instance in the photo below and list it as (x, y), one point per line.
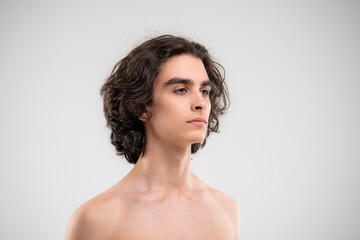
(205, 92)
(180, 91)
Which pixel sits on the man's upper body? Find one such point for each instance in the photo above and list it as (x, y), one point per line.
(161, 198)
(122, 213)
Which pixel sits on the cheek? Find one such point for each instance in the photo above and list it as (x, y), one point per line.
(208, 109)
(170, 112)
(175, 111)
(168, 121)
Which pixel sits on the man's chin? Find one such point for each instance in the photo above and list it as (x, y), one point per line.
(198, 140)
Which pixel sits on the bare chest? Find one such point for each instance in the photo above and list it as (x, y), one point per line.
(174, 221)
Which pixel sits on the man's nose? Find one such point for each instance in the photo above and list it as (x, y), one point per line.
(199, 103)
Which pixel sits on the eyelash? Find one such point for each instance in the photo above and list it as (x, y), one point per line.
(181, 89)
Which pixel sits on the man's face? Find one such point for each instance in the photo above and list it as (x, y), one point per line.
(181, 106)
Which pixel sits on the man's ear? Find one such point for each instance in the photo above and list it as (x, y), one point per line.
(143, 117)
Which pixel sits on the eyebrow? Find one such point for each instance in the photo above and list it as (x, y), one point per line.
(190, 82)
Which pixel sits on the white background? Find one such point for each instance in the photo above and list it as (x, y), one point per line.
(288, 150)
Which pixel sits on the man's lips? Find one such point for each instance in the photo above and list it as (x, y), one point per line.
(198, 121)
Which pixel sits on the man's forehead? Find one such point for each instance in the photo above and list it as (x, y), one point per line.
(184, 67)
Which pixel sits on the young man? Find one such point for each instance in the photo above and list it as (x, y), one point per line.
(161, 102)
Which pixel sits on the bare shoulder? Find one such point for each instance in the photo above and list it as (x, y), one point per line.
(230, 206)
(225, 200)
(93, 218)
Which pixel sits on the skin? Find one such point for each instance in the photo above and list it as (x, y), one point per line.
(161, 198)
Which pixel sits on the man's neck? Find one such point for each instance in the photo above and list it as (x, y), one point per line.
(164, 167)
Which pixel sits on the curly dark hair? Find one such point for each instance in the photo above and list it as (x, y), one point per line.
(130, 87)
